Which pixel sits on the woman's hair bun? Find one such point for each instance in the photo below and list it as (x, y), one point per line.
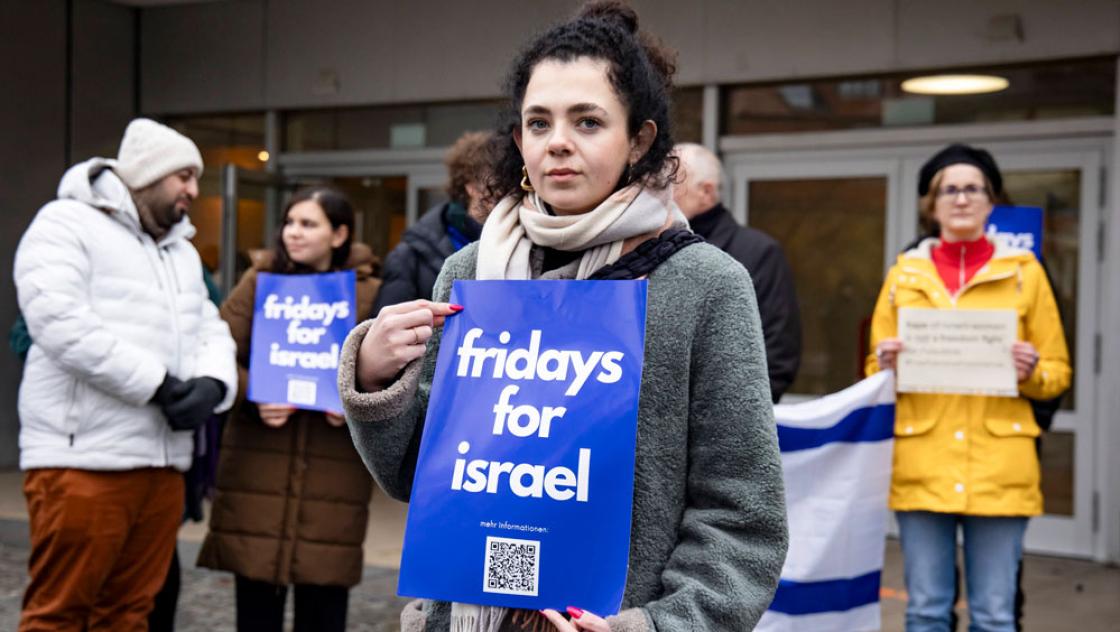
(663, 59)
(611, 11)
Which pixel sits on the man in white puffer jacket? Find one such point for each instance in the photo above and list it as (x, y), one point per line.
(129, 356)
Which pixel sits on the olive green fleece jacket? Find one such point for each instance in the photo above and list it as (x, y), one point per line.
(708, 535)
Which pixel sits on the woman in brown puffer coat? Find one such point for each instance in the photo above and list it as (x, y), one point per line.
(292, 493)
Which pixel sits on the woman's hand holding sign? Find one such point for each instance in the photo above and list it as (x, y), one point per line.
(886, 353)
(275, 415)
(1024, 354)
(399, 335)
(1026, 358)
(581, 620)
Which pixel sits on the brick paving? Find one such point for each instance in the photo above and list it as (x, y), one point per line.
(1062, 595)
(206, 598)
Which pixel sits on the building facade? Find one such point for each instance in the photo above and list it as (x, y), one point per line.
(803, 101)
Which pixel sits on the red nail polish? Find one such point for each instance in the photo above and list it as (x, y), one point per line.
(456, 308)
(575, 612)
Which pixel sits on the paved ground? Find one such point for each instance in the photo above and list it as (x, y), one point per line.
(206, 600)
(1062, 595)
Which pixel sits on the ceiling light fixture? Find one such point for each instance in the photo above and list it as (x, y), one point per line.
(262, 156)
(955, 84)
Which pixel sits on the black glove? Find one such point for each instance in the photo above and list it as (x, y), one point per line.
(193, 402)
(165, 394)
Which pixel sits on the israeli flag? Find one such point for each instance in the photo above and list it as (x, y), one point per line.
(836, 457)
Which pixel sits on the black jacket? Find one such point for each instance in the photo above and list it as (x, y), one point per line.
(411, 268)
(761, 255)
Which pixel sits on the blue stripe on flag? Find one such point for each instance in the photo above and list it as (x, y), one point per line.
(834, 595)
(862, 425)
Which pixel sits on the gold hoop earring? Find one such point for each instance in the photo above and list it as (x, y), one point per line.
(526, 186)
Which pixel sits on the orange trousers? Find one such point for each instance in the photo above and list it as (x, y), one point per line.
(101, 544)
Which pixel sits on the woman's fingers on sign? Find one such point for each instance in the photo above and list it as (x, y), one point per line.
(558, 621)
(1025, 357)
(580, 620)
(585, 620)
(398, 336)
(440, 311)
(886, 352)
(275, 415)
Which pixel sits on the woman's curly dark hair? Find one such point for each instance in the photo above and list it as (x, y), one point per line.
(640, 71)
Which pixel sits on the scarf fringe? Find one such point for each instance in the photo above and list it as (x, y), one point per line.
(471, 618)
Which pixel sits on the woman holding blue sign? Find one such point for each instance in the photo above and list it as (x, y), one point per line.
(292, 495)
(583, 189)
(965, 460)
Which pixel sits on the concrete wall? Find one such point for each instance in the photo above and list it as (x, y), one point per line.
(252, 54)
(104, 77)
(40, 138)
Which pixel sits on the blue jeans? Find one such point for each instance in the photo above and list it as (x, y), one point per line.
(992, 551)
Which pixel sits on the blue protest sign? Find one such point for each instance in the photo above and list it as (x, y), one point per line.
(1018, 227)
(299, 324)
(525, 477)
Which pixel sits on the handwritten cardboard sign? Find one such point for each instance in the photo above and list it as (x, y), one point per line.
(964, 351)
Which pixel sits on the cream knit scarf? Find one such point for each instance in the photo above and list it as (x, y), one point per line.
(510, 232)
(516, 224)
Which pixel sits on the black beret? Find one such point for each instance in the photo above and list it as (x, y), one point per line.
(956, 154)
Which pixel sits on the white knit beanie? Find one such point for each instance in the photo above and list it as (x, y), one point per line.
(149, 151)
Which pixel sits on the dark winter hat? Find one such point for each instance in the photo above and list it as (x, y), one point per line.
(957, 154)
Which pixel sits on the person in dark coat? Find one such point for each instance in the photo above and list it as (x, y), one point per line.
(411, 268)
(697, 193)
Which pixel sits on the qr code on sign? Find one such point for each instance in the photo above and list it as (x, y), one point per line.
(512, 566)
(301, 392)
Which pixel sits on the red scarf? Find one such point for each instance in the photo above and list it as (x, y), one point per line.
(957, 262)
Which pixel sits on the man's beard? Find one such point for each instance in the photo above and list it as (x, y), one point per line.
(157, 216)
(168, 214)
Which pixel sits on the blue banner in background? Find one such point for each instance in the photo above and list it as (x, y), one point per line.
(525, 477)
(299, 324)
(1018, 227)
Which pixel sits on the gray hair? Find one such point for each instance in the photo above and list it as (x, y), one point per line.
(701, 164)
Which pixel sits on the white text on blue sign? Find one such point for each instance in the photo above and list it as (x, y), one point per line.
(524, 420)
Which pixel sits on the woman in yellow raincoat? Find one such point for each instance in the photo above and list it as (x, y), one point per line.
(967, 460)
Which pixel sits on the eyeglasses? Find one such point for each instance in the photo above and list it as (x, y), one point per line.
(971, 191)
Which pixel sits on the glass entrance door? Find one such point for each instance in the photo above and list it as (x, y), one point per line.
(842, 217)
(384, 204)
(253, 201)
(379, 208)
(391, 189)
(832, 222)
(249, 209)
(1066, 185)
